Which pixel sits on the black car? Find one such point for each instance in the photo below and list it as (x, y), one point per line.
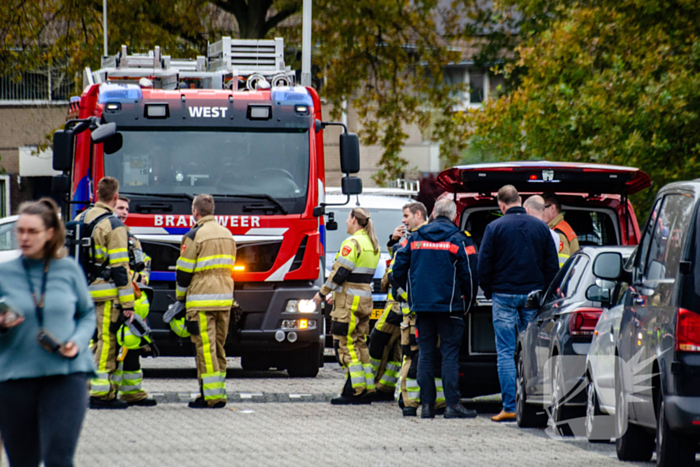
(551, 351)
(657, 374)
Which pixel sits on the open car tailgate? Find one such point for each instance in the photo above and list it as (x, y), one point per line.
(541, 176)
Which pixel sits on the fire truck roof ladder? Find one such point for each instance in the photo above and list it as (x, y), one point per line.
(226, 61)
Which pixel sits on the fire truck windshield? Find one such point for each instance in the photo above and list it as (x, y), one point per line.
(214, 162)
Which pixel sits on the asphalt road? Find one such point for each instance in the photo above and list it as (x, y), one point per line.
(275, 420)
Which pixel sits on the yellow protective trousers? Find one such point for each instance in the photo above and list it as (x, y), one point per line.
(385, 348)
(129, 377)
(410, 390)
(105, 352)
(349, 326)
(211, 356)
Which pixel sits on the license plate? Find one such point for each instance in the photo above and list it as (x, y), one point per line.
(376, 313)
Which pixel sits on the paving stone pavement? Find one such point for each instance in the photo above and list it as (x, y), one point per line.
(316, 435)
(257, 430)
(159, 380)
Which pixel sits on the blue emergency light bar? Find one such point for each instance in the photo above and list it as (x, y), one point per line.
(286, 95)
(119, 92)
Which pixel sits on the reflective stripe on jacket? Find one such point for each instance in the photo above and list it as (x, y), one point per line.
(110, 238)
(353, 270)
(438, 267)
(207, 256)
(568, 241)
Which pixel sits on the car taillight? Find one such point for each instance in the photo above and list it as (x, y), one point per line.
(687, 331)
(583, 321)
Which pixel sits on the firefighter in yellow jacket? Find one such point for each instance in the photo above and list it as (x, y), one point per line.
(568, 240)
(112, 291)
(205, 284)
(385, 338)
(129, 375)
(350, 281)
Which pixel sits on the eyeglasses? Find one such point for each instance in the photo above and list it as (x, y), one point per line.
(547, 206)
(31, 232)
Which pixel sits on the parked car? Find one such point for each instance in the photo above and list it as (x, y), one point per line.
(600, 366)
(8, 242)
(657, 374)
(551, 351)
(594, 202)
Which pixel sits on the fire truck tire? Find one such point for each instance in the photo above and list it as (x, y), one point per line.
(304, 363)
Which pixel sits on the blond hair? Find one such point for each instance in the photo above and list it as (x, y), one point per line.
(364, 221)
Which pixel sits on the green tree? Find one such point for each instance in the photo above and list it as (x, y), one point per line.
(385, 58)
(607, 81)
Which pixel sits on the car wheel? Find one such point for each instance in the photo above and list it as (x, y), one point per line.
(672, 448)
(304, 363)
(600, 428)
(526, 414)
(632, 443)
(558, 413)
(254, 363)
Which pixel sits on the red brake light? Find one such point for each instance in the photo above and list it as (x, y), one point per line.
(533, 177)
(687, 331)
(583, 321)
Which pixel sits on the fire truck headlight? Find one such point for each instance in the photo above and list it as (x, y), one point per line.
(307, 306)
(300, 306)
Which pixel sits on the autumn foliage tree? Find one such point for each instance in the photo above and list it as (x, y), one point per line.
(607, 81)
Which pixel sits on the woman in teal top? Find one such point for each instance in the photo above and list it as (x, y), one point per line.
(43, 392)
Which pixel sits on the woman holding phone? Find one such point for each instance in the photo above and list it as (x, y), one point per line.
(47, 318)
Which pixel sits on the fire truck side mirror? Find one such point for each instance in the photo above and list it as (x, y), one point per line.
(349, 154)
(63, 150)
(351, 186)
(104, 132)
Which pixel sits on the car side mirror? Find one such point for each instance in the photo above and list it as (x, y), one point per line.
(351, 185)
(595, 293)
(63, 141)
(608, 266)
(534, 300)
(349, 153)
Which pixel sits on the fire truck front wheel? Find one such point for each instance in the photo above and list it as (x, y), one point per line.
(305, 363)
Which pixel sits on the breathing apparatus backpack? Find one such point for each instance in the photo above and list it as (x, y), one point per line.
(81, 246)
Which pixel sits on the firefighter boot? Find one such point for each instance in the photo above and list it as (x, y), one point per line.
(96, 403)
(409, 411)
(348, 398)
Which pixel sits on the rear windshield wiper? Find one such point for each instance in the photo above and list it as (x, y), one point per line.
(269, 198)
(161, 195)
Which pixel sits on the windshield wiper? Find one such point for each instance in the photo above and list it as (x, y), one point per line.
(161, 195)
(266, 197)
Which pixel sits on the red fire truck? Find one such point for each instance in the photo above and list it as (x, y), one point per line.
(233, 125)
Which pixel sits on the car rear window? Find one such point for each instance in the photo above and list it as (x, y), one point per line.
(593, 227)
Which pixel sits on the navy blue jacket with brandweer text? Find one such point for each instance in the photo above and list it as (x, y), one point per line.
(438, 268)
(517, 255)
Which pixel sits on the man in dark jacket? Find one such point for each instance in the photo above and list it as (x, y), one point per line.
(438, 269)
(516, 257)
